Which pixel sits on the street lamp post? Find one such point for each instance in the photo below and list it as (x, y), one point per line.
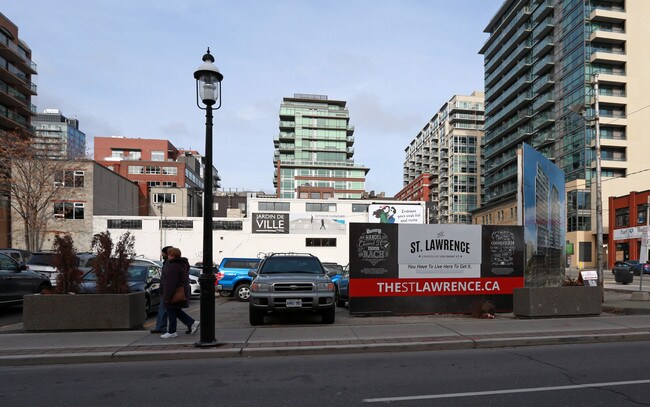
(208, 89)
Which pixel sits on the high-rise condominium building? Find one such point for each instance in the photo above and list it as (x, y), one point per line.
(16, 87)
(542, 60)
(16, 91)
(444, 160)
(314, 150)
(57, 136)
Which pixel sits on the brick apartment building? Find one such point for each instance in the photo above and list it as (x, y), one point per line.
(170, 180)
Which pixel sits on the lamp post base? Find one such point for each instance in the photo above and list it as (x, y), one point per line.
(212, 344)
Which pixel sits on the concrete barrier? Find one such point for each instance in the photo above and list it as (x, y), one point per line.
(566, 301)
(83, 312)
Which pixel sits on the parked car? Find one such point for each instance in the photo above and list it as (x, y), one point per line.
(335, 267)
(233, 277)
(343, 289)
(637, 267)
(624, 271)
(20, 255)
(16, 280)
(291, 282)
(195, 287)
(45, 262)
(142, 275)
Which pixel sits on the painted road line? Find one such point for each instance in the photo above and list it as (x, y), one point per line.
(505, 391)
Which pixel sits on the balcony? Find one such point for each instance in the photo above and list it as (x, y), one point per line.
(543, 65)
(543, 101)
(607, 56)
(543, 47)
(14, 53)
(543, 28)
(542, 10)
(287, 125)
(611, 36)
(612, 14)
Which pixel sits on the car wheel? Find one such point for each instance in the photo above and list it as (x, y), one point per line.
(339, 301)
(243, 292)
(255, 317)
(329, 316)
(225, 293)
(42, 289)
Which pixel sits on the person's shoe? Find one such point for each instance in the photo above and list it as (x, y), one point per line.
(195, 327)
(158, 331)
(169, 335)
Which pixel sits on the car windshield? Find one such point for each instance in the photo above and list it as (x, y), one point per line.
(134, 273)
(196, 272)
(292, 265)
(42, 259)
(241, 264)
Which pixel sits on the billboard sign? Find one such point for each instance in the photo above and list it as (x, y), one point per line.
(395, 213)
(420, 269)
(270, 223)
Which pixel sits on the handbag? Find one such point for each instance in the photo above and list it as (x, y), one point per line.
(179, 295)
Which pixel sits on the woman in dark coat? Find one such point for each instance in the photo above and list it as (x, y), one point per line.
(176, 274)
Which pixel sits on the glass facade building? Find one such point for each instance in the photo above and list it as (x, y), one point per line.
(542, 59)
(313, 152)
(447, 151)
(57, 136)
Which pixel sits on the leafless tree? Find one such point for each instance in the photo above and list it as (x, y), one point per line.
(27, 177)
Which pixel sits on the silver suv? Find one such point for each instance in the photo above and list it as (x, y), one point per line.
(289, 282)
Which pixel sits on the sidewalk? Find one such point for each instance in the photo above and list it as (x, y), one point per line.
(622, 320)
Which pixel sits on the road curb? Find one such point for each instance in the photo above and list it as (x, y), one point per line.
(262, 351)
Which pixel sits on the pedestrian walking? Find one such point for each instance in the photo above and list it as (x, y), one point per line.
(176, 274)
(161, 320)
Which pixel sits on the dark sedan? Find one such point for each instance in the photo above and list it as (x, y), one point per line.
(142, 275)
(624, 271)
(16, 281)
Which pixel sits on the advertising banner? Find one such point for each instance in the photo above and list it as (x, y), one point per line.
(392, 213)
(427, 251)
(543, 201)
(270, 223)
(328, 223)
(407, 269)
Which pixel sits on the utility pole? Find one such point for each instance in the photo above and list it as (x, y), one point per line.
(599, 190)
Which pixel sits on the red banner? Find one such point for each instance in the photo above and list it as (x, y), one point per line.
(418, 287)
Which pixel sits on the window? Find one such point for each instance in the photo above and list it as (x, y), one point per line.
(136, 169)
(320, 242)
(124, 224)
(177, 224)
(170, 171)
(69, 179)
(641, 212)
(359, 208)
(585, 251)
(68, 210)
(623, 217)
(152, 170)
(274, 206)
(164, 197)
(227, 225)
(321, 207)
(157, 156)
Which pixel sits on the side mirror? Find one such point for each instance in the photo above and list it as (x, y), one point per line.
(22, 266)
(252, 273)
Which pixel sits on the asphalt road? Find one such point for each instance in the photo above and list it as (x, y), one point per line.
(613, 374)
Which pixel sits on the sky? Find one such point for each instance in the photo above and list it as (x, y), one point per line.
(125, 68)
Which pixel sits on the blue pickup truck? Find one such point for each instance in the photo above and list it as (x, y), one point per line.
(233, 278)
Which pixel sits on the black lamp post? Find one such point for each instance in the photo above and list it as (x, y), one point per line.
(208, 89)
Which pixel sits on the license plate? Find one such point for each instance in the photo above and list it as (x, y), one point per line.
(294, 303)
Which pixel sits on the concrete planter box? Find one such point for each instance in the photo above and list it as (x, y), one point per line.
(566, 301)
(84, 312)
